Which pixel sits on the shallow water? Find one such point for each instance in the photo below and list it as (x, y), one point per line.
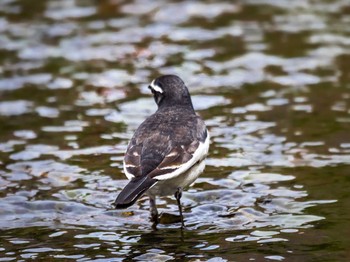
(270, 78)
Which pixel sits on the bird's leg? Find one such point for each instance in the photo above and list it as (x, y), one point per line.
(153, 209)
(178, 195)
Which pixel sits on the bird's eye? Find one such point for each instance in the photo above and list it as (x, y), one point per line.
(159, 84)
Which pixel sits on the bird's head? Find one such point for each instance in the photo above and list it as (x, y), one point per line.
(170, 90)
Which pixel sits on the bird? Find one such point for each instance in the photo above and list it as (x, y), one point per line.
(167, 151)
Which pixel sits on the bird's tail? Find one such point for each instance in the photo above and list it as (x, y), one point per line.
(133, 191)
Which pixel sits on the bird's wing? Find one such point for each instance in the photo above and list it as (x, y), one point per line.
(132, 160)
(162, 158)
(180, 159)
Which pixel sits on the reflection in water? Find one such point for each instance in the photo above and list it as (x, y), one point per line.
(269, 77)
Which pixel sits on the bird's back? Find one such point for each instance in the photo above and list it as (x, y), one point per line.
(162, 132)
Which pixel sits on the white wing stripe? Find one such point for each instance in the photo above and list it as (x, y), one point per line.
(170, 167)
(128, 175)
(199, 154)
(129, 165)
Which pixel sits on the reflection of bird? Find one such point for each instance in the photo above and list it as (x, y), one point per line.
(168, 149)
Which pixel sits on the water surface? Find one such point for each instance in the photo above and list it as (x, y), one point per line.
(270, 78)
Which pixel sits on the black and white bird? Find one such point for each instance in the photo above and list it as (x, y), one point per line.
(167, 151)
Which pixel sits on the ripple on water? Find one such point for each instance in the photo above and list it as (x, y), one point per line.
(216, 209)
(49, 112)
(15, 108)
(74, 88)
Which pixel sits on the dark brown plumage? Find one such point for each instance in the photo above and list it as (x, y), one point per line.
(166, 146)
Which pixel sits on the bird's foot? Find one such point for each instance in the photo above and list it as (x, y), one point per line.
(178, 195)
(154, 218)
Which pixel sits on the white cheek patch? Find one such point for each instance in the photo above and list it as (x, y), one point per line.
(156, 88)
